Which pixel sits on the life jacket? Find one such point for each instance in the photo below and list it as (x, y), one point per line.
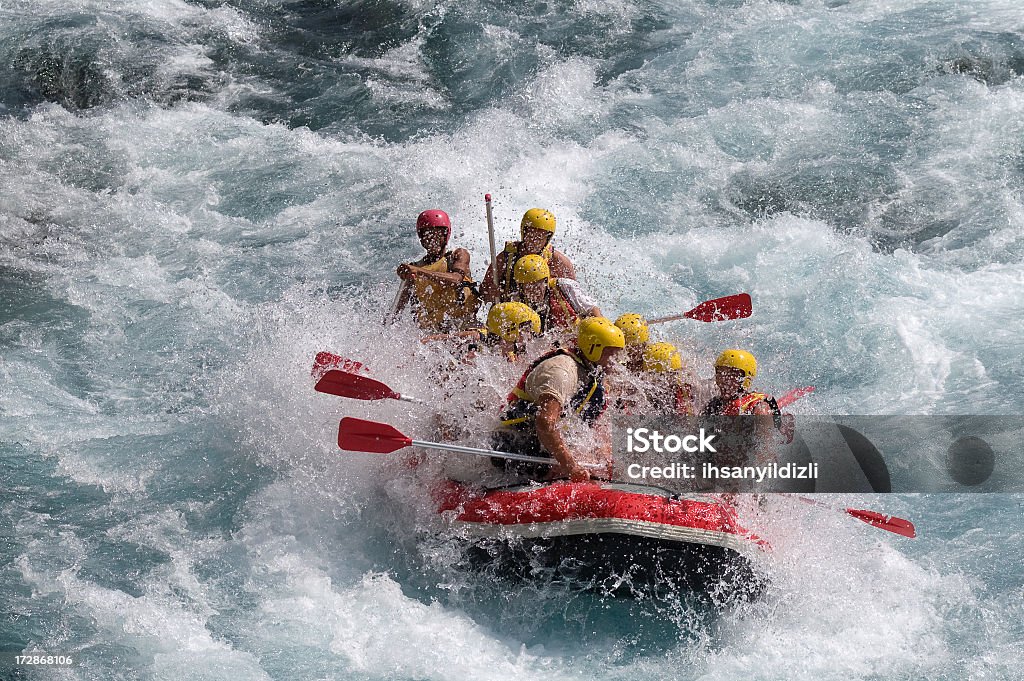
(558, 313)
(737, 438)
(744, 406)
(442, 307)
(588, 401)
(683, 401)
(509, 287)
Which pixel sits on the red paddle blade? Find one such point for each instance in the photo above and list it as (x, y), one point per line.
(730, 307)
(794, 395)
(886, 522)
(357, 435)
(354, 386)
(328, 360)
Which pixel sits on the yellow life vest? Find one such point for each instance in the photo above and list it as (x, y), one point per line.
(441, 307)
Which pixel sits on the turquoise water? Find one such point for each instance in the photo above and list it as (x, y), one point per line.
(199, 196)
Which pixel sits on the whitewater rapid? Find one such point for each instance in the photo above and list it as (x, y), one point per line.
(199, 196)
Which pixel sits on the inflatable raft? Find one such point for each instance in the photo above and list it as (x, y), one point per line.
(616, 538)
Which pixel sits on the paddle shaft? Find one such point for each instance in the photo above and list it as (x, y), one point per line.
(662, 320)
(492, 452)
(393, 311)
(490, 238)
(882, 521)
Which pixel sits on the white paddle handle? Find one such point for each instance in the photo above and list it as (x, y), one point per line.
(490, 237)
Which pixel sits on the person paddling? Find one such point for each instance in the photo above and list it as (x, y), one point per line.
(559, 302)
(628, 385)
(510, 327)
(634, 328)
(734, 372)
(536, 231)
(438, 285)
(669, 392)
(561, 385)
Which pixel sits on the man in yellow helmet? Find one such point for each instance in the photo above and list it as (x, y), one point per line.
(734, 371)
(509, 328)
(630, 385)
(560, 385)
(634, 328)
(438, 285)
(536, 232)
(559, 302)
(669, 392)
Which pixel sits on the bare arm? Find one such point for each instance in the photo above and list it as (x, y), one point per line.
(471, 335)
(460, 262)
(460, 269)
(561, 266)
(765, 434)
(549, 412)
(488, 291)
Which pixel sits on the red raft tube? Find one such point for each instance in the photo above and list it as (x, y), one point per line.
(617, 538)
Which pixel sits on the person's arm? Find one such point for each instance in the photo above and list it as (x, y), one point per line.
(561, 266)
(460, 262)
(549, 413)
(460, 269)
(488, 291)
(765, 434)
(582, 304)
(471, 335)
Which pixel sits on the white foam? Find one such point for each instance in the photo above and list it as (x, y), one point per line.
(377, 630)
(265, 285)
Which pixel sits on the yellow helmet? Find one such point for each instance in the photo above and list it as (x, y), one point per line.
(531, 268)
(634, 327)
(538, 218)
(739, 359)
(662, 358)
(504, 320)
(597, 333)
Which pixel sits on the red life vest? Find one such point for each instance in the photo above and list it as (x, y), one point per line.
(560, 313)
(683, 400)
(743, 406)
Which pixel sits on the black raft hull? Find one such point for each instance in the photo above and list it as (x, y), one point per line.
(618, 539)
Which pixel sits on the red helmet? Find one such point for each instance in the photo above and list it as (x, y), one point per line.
(434, 218)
